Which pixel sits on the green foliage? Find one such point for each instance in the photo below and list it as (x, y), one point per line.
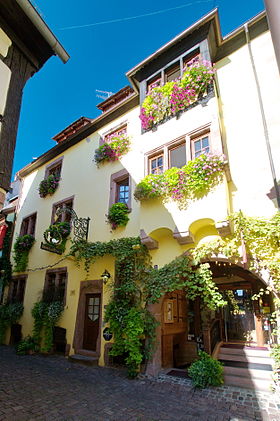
(112, 151)
(5, 263)
(45, 316)
(10, 313)
(56, 235)
(206, 371)
(173, 97)
(180, 274)
(22, 247)
(261, 239)
(136, 285)
(26, 345)
(49, 185)
(275, 353)
(118, 215)
(192, 181)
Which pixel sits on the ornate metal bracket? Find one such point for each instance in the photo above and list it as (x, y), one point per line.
(80, 225)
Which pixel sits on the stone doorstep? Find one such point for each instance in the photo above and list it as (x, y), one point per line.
(83, 359)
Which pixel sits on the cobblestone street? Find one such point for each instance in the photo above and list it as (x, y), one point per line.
(53, 389)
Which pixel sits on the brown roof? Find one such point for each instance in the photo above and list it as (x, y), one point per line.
(71, 129)
(115, 98)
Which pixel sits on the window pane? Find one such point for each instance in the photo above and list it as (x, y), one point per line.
(205, 142)
(197, 145)
(156, 165)
(154, 82)
(178, 156)
(21, 290)
(123, 191)
(14, 291)
(172, 73)
(55, 170)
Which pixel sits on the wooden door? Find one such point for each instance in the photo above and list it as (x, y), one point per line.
(92, 321)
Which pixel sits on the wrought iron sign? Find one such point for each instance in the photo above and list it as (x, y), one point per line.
(56, 235)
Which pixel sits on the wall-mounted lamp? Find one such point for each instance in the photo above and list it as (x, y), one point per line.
(105, 276)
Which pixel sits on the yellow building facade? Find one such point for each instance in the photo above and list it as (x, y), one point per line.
(227, 120)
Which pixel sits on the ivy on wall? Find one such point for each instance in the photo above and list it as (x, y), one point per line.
(260, 238)
(136, 285)
(5, 264)
(10, 313)
(22, 247)
(45, 316)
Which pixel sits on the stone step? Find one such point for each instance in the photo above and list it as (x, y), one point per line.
(245, 358)
(83, 359)
(248, 373)
(245, 382)
(245, 351)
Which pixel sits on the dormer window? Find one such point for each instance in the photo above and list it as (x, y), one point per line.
(173, 89)
(173, 71)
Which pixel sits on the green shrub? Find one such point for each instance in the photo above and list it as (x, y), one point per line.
(9, 314)
(118, 215)
(26, 345)
(206, 371)
(22, 247)
(275, 353)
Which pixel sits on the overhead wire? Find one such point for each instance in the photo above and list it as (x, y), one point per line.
(134, 17)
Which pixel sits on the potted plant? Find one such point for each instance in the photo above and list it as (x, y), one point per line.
(22, 247)
(112, 151)
(48, 185)
(118, 215)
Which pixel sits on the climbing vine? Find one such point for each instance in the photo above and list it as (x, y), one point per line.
(5, 264)
(10, 313)
(22, 247)
(258, 240)
(45, 316)
(136, 285)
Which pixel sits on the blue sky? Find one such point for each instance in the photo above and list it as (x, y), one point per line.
(101, 55)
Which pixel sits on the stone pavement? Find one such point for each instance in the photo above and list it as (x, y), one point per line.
(38, 388)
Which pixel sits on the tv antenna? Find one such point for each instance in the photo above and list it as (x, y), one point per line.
(103, 94)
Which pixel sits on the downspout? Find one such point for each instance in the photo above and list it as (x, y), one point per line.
(265, 129)
(44, 30)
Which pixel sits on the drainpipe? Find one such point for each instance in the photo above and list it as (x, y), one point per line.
(265, 129)
(44, 30)
(273, 17)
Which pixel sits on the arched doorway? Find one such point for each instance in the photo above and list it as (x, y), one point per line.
(243, 318)
(186, 326)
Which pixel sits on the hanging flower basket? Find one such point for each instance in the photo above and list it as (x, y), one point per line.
(48, 185)
(22, 247)
(118, 215)
(112, 151)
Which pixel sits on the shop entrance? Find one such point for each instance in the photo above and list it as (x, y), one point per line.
(238, 315)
